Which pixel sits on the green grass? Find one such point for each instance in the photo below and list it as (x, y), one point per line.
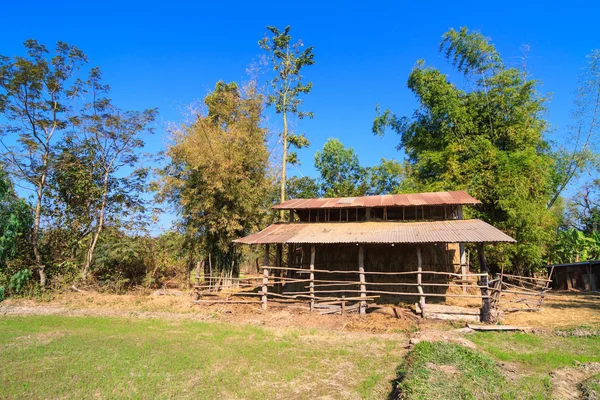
(84, 357)
(438, 370)
(539, 353)
(590, 388)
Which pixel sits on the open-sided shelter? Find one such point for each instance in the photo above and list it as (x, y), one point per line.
(374, 248)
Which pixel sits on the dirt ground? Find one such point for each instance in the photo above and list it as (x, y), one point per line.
(560, 310)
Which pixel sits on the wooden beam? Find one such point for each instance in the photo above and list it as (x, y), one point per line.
(312, 277)
(419, 281)
(485, 302)
(361, 270)
(265, 278)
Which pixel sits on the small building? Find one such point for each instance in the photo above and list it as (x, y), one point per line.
(374, 249)
(581, 275)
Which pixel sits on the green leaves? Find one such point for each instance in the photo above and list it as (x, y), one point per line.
(470, 51)
(573, 245)
(343, 176)
(217, 173)
(488, 140)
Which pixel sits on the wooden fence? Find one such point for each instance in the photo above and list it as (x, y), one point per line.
(337, 295)
(512, 293)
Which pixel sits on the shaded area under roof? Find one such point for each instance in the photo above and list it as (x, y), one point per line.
(455, 231)
(574, 264)
(388, 200)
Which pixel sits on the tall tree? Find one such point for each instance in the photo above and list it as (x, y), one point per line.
(288, 59)
(217, 173)
(488, 140)
(35, 93)
(113, 138)
(585, 132)
(340, 170)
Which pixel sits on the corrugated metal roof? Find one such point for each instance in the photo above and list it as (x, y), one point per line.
(388, 200)
(454, 231)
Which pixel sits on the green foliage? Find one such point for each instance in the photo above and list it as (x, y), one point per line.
(122, 261)
(343, 176)
(488, 140)
(18, 280)
(217, 173)
(287, 60)
(37, 94)
(573, 245)
(16, 221)
(341, 173)
(302, 188)
(385, 178)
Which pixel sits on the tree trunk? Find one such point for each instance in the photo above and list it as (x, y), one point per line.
(90, 253)
(283, 164)
(36, 230)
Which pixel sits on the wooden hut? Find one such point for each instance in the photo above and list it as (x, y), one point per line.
(582, 275)
(375, 248)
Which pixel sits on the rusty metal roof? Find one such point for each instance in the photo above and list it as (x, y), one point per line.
(388, 200)
(454, 231)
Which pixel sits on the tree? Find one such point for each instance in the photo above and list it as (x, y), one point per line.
(488, 140)
(302, 188)
(385, 178)
(340, 170)
(112, 137)
(585, 132)
(288, 60)
(35, 94)
(217, 173)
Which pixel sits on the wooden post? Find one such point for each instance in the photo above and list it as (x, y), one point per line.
(464, 268)
(265, 277)
(264, 287)
(485, 302)
(343, 305)
(278, 263)
(312, 277)
(361, 271)
(419, 281)
(199, 265)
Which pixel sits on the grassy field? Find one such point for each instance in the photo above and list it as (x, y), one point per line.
(83, 357)
(117, 349)
(505, 365)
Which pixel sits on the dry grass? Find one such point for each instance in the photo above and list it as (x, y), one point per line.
(560, 310)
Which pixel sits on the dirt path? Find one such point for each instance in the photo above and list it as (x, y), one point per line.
(566, 381)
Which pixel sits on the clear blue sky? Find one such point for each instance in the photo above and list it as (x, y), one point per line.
(168, 54)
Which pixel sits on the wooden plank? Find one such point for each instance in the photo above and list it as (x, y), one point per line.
(498, 328)
(325, 271)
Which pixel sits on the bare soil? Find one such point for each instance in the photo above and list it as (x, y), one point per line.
(566, 381)
(560, 310)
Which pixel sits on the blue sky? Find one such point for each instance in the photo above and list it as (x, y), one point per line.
(169, 54)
